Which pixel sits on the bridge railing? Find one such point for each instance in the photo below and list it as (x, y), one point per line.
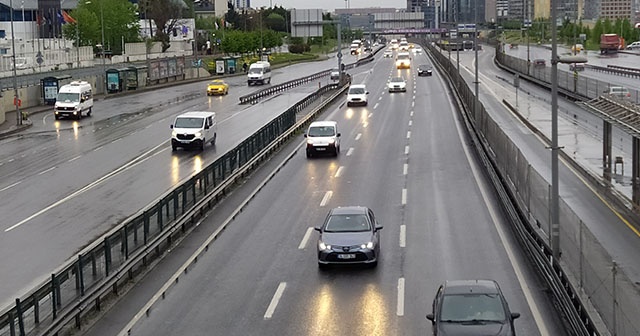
(80, 286)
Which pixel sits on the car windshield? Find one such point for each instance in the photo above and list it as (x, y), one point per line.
(255, 70)
(321, 131)
(397, 79)
(356, 90)
(189, 122)
(347, 223)
(68, 97)
(217, 83)
(472, 307)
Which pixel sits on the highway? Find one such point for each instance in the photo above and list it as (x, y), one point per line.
(65, 183)
(405, 156)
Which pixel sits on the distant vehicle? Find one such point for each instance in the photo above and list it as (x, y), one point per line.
(471, 307)
(576, 48)
(403, 60)
(609, 43)
(217, 87)
(403, 46)
(618, 91)
(634, 45)
(74, 99)
(349, 235)
(388, 54)
(259, 72)
(425, 70)
(357, 95)
(417, 50)
(394, 44)
(539, 63)
(354, 49)
(397, 84)
(577, 67)
(194, 129)
(323, 137)
(335, 75)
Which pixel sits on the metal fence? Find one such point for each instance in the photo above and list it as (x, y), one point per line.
(569, 83)
(587, 274)
(79, 286)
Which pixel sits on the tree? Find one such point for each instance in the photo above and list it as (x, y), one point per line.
(165, 14)
(276, 22)
(119, 19)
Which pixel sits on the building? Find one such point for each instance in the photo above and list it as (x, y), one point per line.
(242, 4)
(418, 5)
(616, 9)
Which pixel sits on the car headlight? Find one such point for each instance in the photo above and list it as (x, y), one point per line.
(368, 245)
(198, 134)
(332, 141)
(174, 134)
(323, 246)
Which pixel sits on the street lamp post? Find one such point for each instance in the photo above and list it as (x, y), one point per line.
(104, 70)
(16, 97)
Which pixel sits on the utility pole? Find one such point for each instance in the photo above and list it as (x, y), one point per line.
(555, 209)
(16, 97)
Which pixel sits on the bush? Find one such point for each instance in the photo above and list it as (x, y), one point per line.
(296, 48)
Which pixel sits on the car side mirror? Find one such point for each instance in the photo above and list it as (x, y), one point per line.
(430, 317)
(367, 92)
(206, 126)
(515, 315)
(338, 135)
(317, 228)
(171, 126)
(305, 135)
(379, 227)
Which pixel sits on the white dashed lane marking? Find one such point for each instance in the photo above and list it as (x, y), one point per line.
(400, 308)
(305, 239)
(339, 171)
(274, 301)
(350, 151)
(358, 136)
(326, 198)
(403, 235)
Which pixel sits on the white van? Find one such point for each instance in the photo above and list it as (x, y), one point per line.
(323, 137)
(194, 129)
(74, 99)
(354, 49)
(259, 72)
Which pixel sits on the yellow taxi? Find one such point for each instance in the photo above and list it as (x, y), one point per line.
(217, 87)
(577, 48)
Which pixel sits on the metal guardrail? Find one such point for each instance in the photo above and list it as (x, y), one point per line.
(567, 297)
(79, 286)
(255, 96)
(616, 70)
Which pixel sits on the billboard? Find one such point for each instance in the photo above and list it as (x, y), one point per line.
(306, 22)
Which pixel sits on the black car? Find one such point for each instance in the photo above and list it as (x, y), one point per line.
(471, 307)
(425, 70)
(349, 235)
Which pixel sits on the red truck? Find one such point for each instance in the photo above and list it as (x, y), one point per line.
(609, 43)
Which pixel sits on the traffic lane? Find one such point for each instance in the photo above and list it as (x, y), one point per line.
(615, 236)
(311, 184)
(471, 241)
(62, 221)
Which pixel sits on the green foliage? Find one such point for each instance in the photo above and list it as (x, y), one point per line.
(119, 18)
(275, 22)
(165, 14)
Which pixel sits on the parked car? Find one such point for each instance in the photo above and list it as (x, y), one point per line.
(576, 67)
(335, 75)
(618, 91)
(539, 63)
(471, 307)
(349, 235)
(634, 45)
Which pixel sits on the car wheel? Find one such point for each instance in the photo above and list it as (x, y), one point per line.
(309, 154)
(322, 266)
(89, 113)
(337, 151)
(57, 117)
(374, 264)
(174, 148)
(202, 144)
(213, 142)
(79, 116)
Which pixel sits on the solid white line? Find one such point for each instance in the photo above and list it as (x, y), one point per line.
(97, 149)
(400, 308)
(275, 300)
(326, 198)
(45, 171)
(403, 235)
(339, 171)
(408, 134)
(404, 196)
(10, 186)
(116, 140)
(350, 151)
(405, 169)
(410, 122)
(75, 158)
(509, 249)
(307, 234)
(375, 106)
(358, 136)
(406, 150)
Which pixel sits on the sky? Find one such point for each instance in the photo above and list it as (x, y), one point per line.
(329, 5)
